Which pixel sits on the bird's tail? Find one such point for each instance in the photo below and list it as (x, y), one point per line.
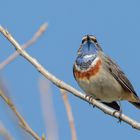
(135, 100)
(136, 104)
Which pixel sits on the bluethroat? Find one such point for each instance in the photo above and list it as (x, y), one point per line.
(100, 77)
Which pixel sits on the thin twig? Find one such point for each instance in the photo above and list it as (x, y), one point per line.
(65, 86)
(5, 133)
(22, 122)
(48, 109)
(35, 37)
(69, 114)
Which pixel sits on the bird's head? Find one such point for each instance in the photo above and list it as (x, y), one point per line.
(89, 45)
(88, 51)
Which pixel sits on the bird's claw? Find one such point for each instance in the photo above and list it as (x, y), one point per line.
(89, 98)
(120, 114)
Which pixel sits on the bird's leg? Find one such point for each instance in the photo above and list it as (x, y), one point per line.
(120, 112)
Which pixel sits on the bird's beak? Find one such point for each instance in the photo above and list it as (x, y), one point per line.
(88, 38)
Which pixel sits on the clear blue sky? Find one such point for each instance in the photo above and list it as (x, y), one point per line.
(116, 25)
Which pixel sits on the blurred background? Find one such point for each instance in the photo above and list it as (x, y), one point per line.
(116, 24)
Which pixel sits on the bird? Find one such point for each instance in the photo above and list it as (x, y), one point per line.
(100, 77)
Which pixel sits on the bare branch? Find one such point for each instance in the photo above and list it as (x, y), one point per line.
(22, 122)
(69, 114)
(65, 86)
(35, 37)
(4, 133)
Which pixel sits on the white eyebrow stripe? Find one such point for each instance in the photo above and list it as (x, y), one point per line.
(91, 36)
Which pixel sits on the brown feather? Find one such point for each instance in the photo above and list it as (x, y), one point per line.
(122, 79)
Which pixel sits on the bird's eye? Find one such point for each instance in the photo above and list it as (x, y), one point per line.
(93, 38)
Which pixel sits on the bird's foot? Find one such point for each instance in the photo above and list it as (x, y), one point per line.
(89, 98)
(120, 114)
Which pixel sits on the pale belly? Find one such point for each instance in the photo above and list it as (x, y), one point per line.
(103, 87)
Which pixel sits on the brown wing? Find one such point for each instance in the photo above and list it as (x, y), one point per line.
(119, 75)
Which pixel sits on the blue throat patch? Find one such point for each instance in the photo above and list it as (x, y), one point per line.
(84, 61)
(86, 54)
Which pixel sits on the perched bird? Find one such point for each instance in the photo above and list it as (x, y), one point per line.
(100, 77)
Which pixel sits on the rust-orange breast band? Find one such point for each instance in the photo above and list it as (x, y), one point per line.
(87, 74)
